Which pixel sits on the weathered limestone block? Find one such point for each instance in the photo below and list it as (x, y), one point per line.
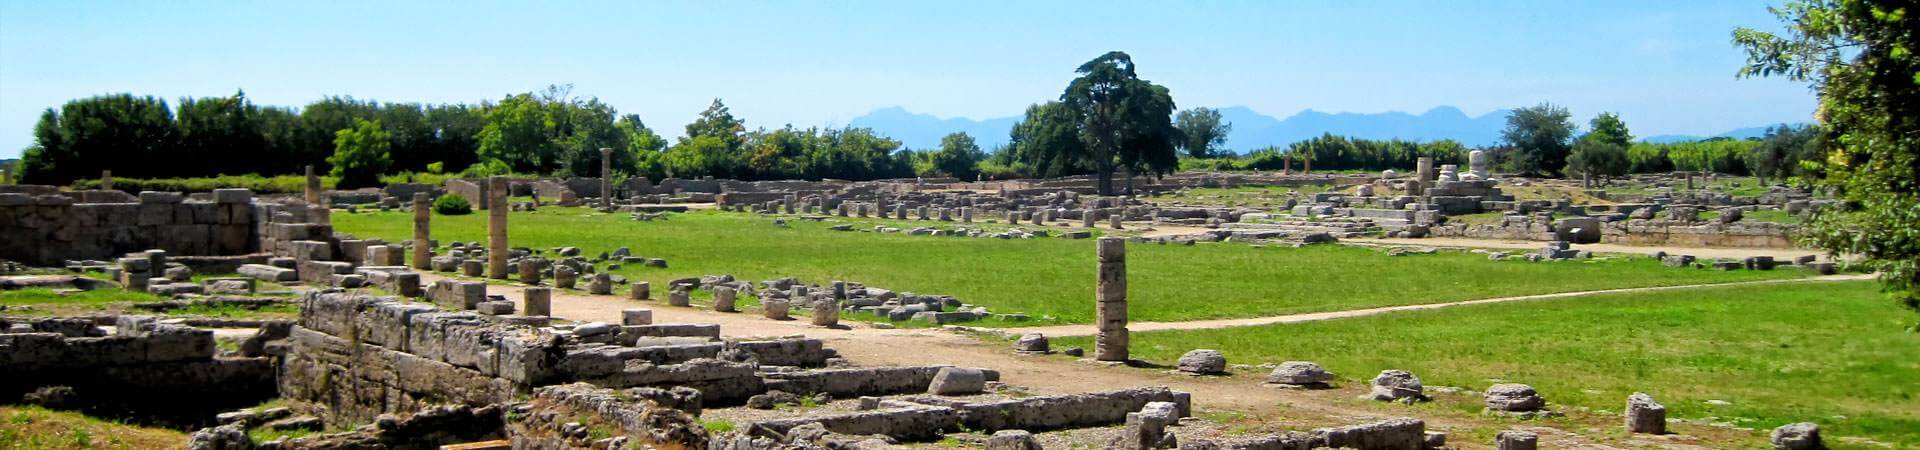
(641, 291)
(678, 296)
(723, 299)
(1203, 362)
(775, 309)
(1796, 436)
(1395, 434)
(600, 284)
(1300, 374)
(636, 317)
(826, 312)
(957, 381)
(1012, 440)
(538, 302)
(1516, 440)
(1513, 397)
(1032, 343)
(1397, 385)
(1644, 415)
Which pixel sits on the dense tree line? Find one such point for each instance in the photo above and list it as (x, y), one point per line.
(551, 132)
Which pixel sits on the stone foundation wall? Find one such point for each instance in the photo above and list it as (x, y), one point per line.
(48, 229)
(160, 372)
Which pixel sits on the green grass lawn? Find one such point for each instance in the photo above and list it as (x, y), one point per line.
(1832, 353)
(1050, 279)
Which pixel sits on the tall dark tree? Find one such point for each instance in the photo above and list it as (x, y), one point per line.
(959, 156)
(1541, 138)
(1047, 140)
(1860, 56)
(1125, 122)
(1203, 132)
(1602, 151)
(1780, 152)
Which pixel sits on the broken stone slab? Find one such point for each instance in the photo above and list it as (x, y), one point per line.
(636, 317)
(1513, 397)
(269, 273)
(1300, 374)
(957, 381)
(1012, 440)
(1202, 362)
(1033, 343)
(1397, 385)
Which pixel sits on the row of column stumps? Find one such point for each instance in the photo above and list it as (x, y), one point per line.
(1111, 300)
(497, 227)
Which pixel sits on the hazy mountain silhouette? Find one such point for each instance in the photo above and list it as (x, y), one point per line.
(1251, 129)
(1738, 133)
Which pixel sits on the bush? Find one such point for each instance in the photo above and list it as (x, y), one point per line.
(452, 205)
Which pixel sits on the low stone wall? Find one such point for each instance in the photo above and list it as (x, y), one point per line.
(48, 229)
(149, 371)
(1396, 434)
(355, 357)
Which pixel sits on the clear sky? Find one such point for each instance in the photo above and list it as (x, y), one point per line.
(1666, 66)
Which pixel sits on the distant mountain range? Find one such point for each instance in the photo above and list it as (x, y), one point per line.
(1253, 130)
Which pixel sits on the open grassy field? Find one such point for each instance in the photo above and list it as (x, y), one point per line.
(1831, 353)
(34, 428)
(1050, 279)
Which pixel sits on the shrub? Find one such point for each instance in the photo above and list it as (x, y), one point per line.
(279, 184)
(452, 205)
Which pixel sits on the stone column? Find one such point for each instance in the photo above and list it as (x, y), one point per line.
(606, 177)
(826, 312)
(106, 180)
(496, 227)
(642, 291)
(539, 302)
(723, 299)
(313, 187)
(1088, 218)
(1111, 298)
(966, 214)
(530, 271)
(677, 296)
(422, 238)
(1422, 175)
(1286, 165)
(1115, 219)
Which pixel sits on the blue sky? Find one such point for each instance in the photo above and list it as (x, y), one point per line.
(1666, 66)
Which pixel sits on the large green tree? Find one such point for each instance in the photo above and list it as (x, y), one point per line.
(1125, 122)
(1859, 56)
(1541, 137)
(1603, 150)
(133, 136)
(1047, 142)
(959, 156)
(361, 154)
(1202, 131)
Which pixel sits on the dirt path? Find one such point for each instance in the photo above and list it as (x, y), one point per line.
(1702, 252)
(1089, 330)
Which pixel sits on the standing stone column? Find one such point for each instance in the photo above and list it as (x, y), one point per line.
(826, 312)
(496, 227)
(313, 187)
(530, 271)
(1111, 298)
(106, 180)
(1286, 165)
(1422, 174)
(1115, 218)
(606, 177)
(723, 299)
(422, 240)
(966, 214)
(539, 302)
